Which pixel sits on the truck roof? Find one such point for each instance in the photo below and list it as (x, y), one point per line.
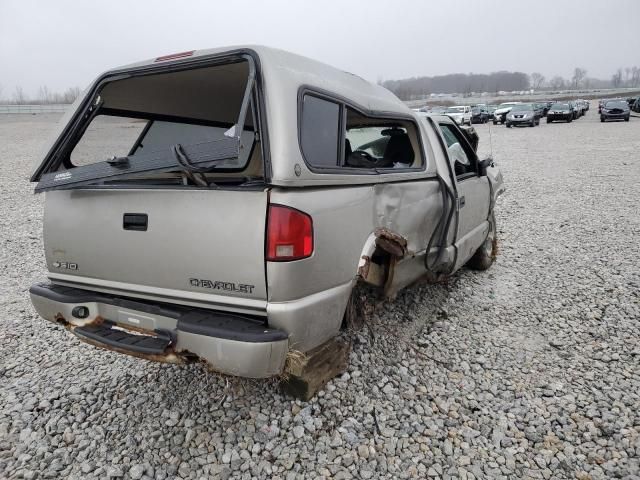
(283, 69)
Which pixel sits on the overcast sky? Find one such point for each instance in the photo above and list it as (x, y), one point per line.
(64, 43)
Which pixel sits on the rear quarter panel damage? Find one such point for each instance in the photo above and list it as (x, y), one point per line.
(349, 224)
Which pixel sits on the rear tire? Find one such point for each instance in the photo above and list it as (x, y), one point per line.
(486, 254)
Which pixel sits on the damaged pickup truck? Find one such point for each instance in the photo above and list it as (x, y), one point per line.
(221, 205)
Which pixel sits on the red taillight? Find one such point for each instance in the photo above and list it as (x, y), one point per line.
(289, 234)
(174, 56)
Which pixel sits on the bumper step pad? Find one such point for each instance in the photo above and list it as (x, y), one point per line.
(106, 334)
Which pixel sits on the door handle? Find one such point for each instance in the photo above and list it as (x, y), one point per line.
(461, 202)
(135, 221)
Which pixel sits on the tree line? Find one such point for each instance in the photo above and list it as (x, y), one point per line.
(44, 96)
(420, 87)
(465, 83)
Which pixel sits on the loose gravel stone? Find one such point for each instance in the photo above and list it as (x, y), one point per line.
(528, 370)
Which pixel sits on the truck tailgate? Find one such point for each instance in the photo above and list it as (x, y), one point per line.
(178, 243)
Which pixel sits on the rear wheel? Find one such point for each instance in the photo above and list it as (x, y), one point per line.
(486, 254)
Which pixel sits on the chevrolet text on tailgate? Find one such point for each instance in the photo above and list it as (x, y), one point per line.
(221, 206)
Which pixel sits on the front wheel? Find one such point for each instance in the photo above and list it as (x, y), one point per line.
(549, 120)
(508, 125)
(602, 119)
(486, 254)
(626, 119)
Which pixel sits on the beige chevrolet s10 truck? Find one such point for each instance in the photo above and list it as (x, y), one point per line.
(221, 205)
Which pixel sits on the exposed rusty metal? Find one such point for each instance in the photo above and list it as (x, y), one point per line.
(168, 357)
(391, 242)
(60, 320)
(363, 270)
(389, 290)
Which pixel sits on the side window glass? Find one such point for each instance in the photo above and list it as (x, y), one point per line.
(461, 159)
(319, 131)
(379, 144)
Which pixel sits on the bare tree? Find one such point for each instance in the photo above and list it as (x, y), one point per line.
(578, 75)
(635, 76)
(70, 95)
(616, 78)
(537, 79)
(44, 95)
(19, 96)
(556, 82)
(627, 76)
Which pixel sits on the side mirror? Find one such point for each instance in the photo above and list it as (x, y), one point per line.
(484, 164)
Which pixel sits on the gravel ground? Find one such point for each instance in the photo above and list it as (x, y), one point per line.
(528, 370)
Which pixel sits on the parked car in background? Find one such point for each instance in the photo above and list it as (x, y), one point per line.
(560, 111)
(584, 106)
(575, 108)
(636, 105)
(500, 114)
(600, 104)
(192, 237)
(460, 113)
(490, 111)
(479, 115)
(615, 110)
(539, 110)
(522, 114)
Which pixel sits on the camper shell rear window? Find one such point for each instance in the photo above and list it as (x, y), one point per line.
(180, 126)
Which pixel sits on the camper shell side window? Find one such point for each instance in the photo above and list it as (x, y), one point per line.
(338, 137)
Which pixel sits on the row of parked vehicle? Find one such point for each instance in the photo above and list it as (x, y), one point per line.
(518, 113)
(514, 113)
